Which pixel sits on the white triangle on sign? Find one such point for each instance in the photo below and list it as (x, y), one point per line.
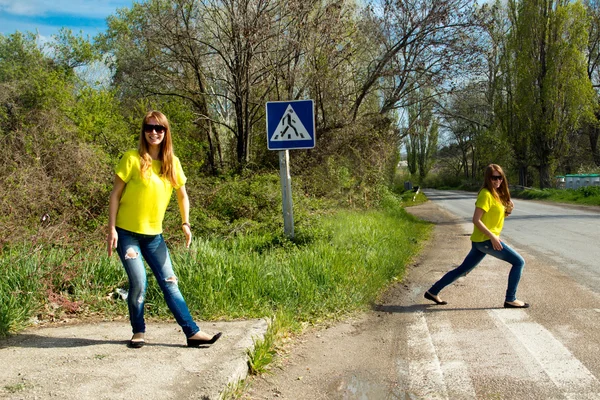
(290, 128)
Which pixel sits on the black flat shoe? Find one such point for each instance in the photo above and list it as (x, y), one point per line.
(136, 344)
(202, 342)
(428, 296)
(508, 305)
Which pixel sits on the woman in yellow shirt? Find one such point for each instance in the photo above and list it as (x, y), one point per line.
(143, 184)
(492, 205)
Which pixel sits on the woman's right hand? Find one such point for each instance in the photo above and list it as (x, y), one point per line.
(113, 207)
(496, 243)
(111, 240)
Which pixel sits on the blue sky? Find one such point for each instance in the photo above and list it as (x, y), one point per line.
(48, 16)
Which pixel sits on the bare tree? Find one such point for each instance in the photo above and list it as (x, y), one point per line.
(156, 53)
(418, 42)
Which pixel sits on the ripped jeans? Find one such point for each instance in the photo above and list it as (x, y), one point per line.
(154, 250)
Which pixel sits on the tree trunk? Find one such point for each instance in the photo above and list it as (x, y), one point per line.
(241, 134)
(593, 132)
(544, 170)
(523, 175)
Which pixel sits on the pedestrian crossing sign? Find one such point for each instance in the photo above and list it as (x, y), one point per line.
(290, 125)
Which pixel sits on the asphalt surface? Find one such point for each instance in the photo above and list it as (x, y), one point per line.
(561, 234)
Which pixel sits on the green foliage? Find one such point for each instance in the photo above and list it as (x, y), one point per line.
(96, 115)
(447, 180)
(72, 51)
(240, 204)
(337, 264)
(20, 294)
(351, 164)
(58, 138)
(534, 194)
(262, 353)
(349, 257)
(587, 195)
(54, 282)
(422, 135)
(554, 94)
(589, 191)
(411, 198)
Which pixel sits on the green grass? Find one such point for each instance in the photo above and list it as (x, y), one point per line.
(19, 289)
(589, 195)
(337, 264)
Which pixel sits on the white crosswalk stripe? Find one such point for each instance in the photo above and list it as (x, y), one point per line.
(425, 374)
(568, 374)
(440, 363)
(454, 368)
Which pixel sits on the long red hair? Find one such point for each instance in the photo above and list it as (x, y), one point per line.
(167, 170)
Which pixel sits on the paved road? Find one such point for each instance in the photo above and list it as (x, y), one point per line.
(472, 348)
(566, 236)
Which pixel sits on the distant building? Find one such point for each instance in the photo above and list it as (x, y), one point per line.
(575, 181)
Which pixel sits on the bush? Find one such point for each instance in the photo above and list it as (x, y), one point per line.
(589, 195)
(444, 181)
(589, 191)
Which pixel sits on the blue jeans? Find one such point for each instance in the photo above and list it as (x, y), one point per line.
(154, 250)
(478, 251)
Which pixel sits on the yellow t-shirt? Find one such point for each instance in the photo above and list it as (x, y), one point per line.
(492, 218)
(144, 201)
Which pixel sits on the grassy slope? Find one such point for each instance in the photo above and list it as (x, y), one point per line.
(337, 264)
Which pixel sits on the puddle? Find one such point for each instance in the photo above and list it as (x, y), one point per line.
(359, 388)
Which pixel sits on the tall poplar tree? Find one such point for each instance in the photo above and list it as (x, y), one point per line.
(592, 129)
(553, 93)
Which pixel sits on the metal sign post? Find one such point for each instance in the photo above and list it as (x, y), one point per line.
(290, 125)
(286, 192)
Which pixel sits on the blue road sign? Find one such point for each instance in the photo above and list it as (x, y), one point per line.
(290, 125)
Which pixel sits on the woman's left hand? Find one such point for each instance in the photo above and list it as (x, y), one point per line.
(188, 235)
(184, 210)
(509, 209)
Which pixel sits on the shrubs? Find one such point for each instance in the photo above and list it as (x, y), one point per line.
(337, 264)
(589, 191)
(588, 195)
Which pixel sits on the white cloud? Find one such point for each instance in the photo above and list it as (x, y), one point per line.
(84, 8)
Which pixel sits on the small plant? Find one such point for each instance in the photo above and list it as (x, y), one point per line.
(234, 390)
(262, 354)
(263, 351)
(17, 387)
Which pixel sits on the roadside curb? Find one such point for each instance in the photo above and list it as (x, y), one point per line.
(93, 361)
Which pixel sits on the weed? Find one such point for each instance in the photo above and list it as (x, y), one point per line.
(17, 387)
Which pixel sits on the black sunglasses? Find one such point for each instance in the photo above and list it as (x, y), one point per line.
(496, 177)
(158, 128)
